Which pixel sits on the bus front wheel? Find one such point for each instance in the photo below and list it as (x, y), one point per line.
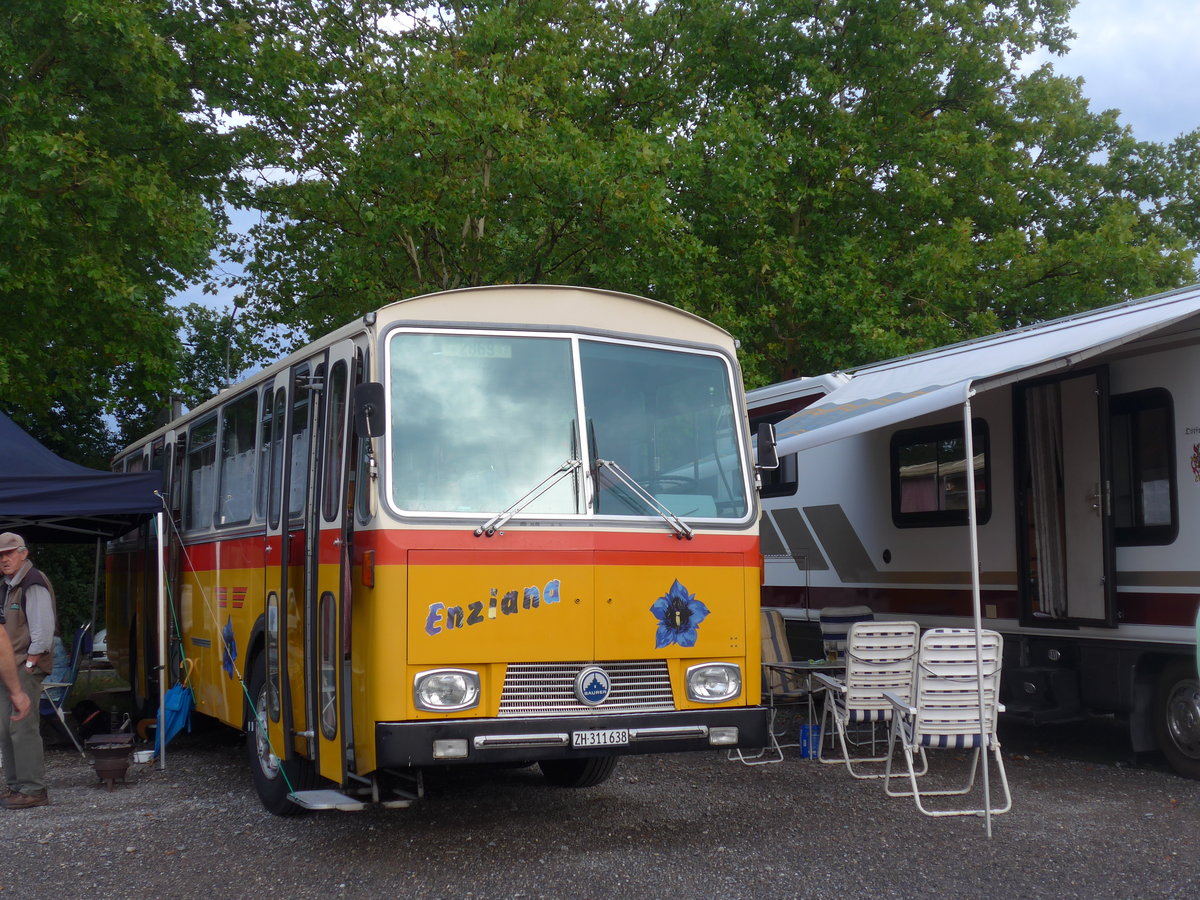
(274, 779)
(578, 773)
(1177, 716)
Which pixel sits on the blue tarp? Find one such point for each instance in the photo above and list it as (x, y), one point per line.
(45, 498)
(174, 716)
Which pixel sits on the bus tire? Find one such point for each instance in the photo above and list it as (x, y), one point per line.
(578, 773)
(1177, 716)
(267, 771)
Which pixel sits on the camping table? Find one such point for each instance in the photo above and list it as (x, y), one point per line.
(806, 667)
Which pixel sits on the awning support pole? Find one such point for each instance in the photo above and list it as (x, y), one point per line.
(973, 529)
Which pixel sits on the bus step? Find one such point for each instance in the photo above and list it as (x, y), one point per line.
(327, 799)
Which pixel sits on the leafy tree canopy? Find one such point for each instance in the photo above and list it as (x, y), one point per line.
(111, 181)
(832, 182)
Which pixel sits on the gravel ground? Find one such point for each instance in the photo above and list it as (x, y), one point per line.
(686, 825)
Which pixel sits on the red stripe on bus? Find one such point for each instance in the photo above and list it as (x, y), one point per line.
(518, 548)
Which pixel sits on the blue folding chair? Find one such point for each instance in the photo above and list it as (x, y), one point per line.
(56, 690)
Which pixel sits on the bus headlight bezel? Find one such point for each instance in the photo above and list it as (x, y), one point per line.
(446, 690)
(702, 679)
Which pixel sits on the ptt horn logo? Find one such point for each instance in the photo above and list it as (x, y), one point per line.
(592, 686)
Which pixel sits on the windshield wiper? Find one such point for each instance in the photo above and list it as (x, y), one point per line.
(499, 519)
(681, 528)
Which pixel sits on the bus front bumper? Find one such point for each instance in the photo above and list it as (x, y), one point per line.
(407, 744)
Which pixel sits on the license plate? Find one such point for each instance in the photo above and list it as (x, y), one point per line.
(606, 738)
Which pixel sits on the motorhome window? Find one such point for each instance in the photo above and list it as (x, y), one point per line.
(158, 456)
(929, 475)
(668, 420)
(200, 476)
(480, 420)
(783, 481)
(1143, 467)
(335, 441)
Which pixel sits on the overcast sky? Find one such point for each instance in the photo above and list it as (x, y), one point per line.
(1141, 57)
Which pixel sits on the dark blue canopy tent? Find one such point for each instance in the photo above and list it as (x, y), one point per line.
(45, 498)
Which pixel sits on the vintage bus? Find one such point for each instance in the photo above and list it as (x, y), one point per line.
(490, 525)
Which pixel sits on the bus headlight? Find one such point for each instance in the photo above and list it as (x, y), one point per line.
(714, 682)
(446, 690)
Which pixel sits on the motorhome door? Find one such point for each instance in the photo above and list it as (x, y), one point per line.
(1063, 500)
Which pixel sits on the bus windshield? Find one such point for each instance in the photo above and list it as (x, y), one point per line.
(477, 421)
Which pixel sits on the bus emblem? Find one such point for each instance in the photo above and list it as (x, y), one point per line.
(592, 686)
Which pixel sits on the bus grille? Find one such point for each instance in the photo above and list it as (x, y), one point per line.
(548, 689)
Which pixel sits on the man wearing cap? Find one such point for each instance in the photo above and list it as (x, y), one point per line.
(30, 621)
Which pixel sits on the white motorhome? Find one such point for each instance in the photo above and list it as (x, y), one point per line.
(1085, 530)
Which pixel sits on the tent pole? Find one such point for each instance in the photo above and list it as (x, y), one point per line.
(162, 640)
(973, 522)
(96, 587)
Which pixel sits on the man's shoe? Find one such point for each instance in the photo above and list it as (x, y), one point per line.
(17, 800)
(5, 791)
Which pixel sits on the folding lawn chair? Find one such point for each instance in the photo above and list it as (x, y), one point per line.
(835, 624)
(56, 692)
(945, 712)
(782, 683)
(880, 656)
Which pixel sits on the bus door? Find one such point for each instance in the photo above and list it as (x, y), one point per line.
(284, 571)
(1064, 504)
(328, 607)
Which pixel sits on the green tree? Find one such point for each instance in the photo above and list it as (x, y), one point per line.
(111, 176)
(484, 143)
(217, 350)
(875, 178)
(832, 182)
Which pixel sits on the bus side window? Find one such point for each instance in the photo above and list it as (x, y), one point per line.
(238, 456)
(278, 420)
(335, 441)
(301, 434)
(264, 457)
(200, 475)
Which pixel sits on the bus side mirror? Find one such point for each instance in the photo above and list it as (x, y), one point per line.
(768, 456)
(368, 409)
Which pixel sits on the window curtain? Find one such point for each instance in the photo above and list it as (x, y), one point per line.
(1043, 427)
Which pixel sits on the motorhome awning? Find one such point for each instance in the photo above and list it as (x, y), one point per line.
(898, 390)
(44, 497)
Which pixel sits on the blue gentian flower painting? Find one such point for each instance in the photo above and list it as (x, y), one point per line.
(679, 616)
(229, 648)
